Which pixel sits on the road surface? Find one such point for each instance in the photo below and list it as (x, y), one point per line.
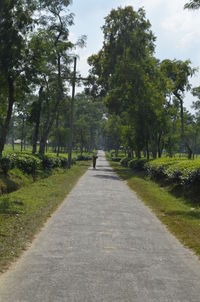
(103, 245)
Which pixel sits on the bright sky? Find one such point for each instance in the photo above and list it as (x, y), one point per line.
(177, 30)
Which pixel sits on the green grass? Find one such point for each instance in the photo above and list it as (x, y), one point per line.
(14, 181)
(23, 213)
(181, 216)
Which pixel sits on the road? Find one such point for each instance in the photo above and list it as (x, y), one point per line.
(103, 245)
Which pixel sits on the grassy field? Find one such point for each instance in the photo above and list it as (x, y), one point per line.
(22, 213)
(181, 216)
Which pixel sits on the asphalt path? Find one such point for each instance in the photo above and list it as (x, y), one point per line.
(103, 245)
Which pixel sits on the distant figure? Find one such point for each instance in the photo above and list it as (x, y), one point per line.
(94, 159)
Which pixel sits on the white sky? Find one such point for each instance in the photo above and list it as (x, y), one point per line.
(177, 30)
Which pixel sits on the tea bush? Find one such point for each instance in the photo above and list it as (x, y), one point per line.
(137, 164)
(124, 161)
(180, 171)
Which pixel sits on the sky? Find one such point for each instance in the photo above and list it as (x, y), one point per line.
(177, 30)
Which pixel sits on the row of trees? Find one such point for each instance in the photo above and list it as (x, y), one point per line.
(35, 71)
(88, 123)
(144, 96)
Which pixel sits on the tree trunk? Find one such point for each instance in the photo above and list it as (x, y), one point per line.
(71, 133)
(5, 127)
(37, 124)
(22, 134)
(138, 153)
(50, 121)
(147, 150)
(42, 145)
(189, 149)
(159, 145)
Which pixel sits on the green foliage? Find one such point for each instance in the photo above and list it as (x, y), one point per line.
(27, 164)
(116, 158)
(4, 205)
(179, 171)
(5, 164)
(137, 164)
(30, 164)
(84, 157)
(125, 161)
(50, 162)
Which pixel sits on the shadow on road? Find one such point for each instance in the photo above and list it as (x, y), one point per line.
(104, 169)
(113, 177)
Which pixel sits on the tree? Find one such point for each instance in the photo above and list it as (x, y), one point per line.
(113, 133)
(15, 24)
(120, 69)
(178, 73)
(56, 24)
(194, 4)
(88, 120)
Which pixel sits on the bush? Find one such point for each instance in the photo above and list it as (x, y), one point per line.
(116, 159)
(84, 157)
(28, 164)
(125, 161)
(5, 164)
(137, 164)
(63, 162)
(49, 163)
(179, 171)
(73, 161)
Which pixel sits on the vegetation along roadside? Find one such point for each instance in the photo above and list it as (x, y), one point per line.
(179, 212)
(23, 212)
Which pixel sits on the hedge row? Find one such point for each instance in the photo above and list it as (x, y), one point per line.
(179, 171)
(30, 164)
(83, 157)
(134, 164)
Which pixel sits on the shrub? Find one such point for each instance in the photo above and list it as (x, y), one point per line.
(28, 164)
(84, 157)
(116, 159)
(125, 161)
(48, 163)
(63, 162)
(137, 164)
(4, 205)
(5, 164)
(179, 171)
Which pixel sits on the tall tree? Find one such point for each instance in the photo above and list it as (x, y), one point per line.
(15, 23)
(178, 73)
(56, 23)
(119, 70)
(194, 4)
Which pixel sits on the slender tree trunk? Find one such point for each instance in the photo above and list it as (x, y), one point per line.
(50, 121)
(42, 145)
(37, 124)
(5, 127)
(160, 147)
(22, 134)
(153, 147)
(147, 149)
(189, 149)
(138, 153)
(47, 129)
(70, 145)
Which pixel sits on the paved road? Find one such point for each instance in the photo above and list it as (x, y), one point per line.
(103, 245)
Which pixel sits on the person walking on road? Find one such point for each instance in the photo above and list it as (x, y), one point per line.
(94, 160)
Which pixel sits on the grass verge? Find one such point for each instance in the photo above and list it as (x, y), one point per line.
(23, 213)
(181, 217)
